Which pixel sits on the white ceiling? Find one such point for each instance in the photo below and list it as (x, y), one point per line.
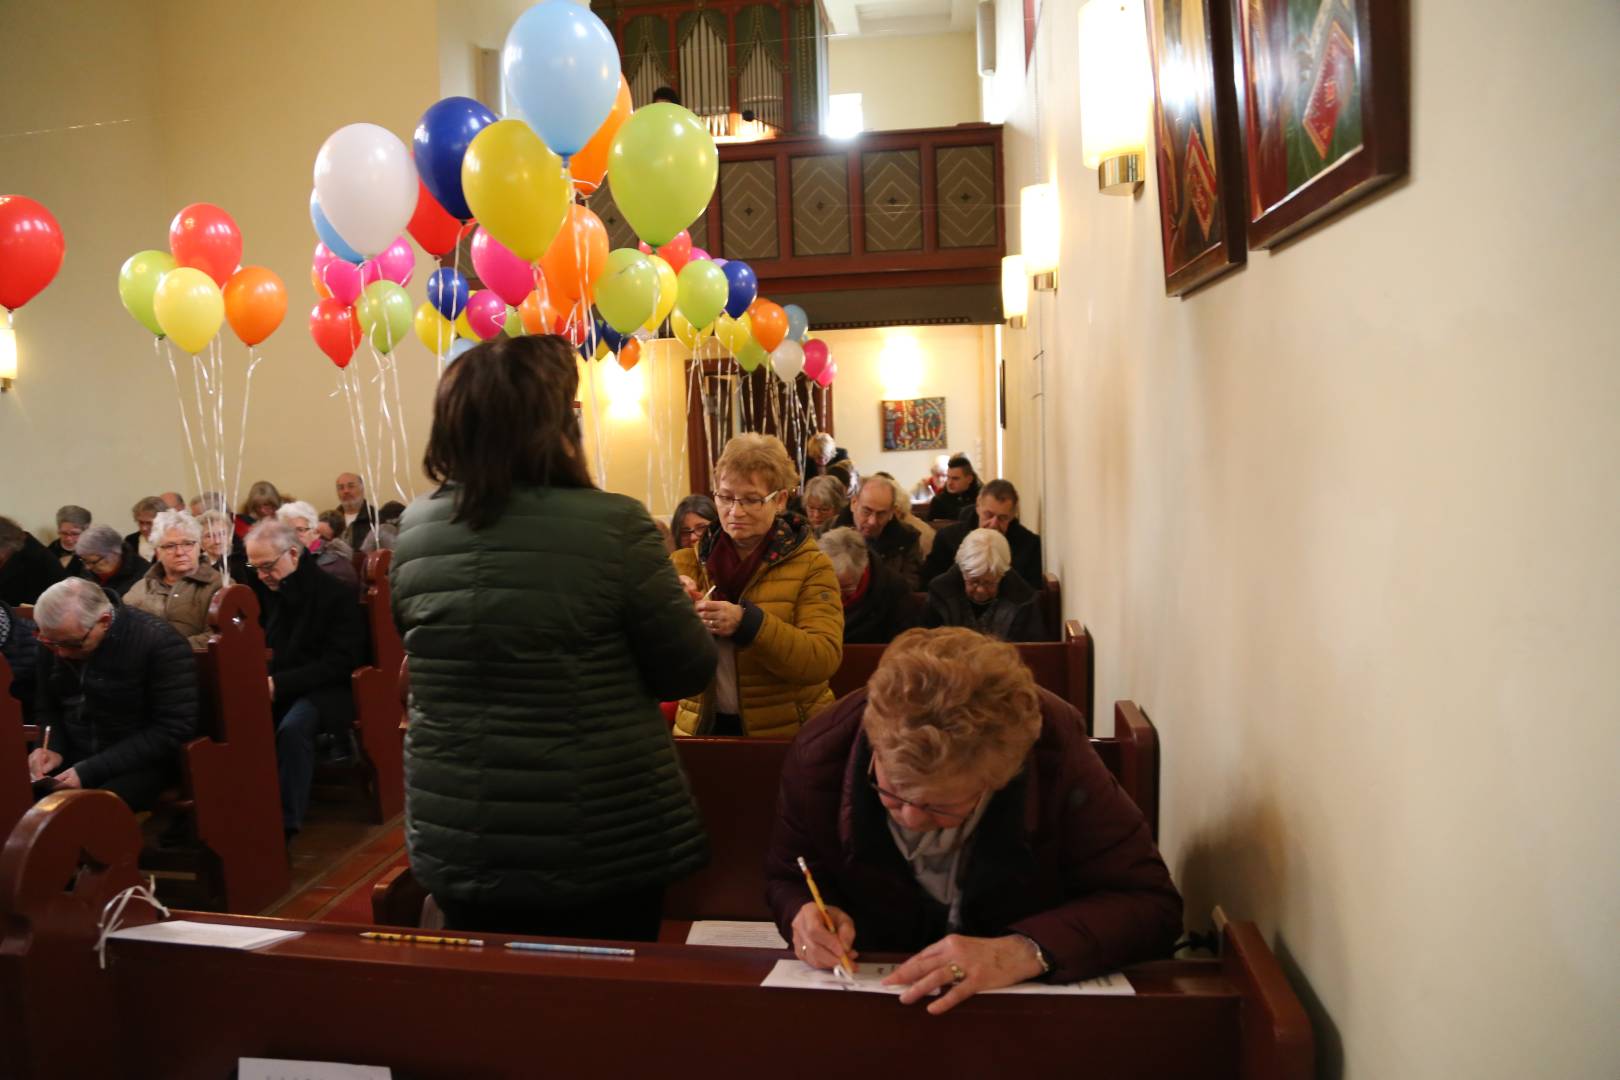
(855, 18)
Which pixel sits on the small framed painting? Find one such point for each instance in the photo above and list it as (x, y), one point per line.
(1326, 108)
(918, 424)
(1200, 165)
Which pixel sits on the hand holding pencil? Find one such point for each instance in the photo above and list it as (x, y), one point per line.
(823, 936)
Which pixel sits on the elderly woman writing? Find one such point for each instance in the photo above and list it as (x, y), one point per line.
(980, 594)
(108, 561)
(180, 585)
(955, 811)
(769, 597)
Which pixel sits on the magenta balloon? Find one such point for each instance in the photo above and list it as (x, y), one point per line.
(815, 359)
(510, 277)
(345, 280)
(397, 262)
(828, 374)
(322, 258)
(486, 313)
(699, 253)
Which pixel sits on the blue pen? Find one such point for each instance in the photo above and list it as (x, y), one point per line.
(577, 950)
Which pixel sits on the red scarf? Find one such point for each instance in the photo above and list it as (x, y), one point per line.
(860, 589)
(729, 569)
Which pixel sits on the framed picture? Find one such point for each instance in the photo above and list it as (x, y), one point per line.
(1196, 120)
(914, 425)
(1325, 92)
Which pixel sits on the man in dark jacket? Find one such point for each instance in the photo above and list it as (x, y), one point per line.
(21, 650)
(996, 508)
(874, 514)
(961, 490)
(356, 511)
(877, 604)
(317, 637)
(27, 568)
(117, 690)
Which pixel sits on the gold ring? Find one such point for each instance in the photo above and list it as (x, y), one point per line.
(957, 974)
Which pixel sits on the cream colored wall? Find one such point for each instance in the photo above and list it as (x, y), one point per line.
(1344, 523)
(907, 82)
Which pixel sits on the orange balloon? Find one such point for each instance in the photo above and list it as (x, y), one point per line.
(320, 286)
(629, 353)
(255, 303)
(768, 322)
(539, 317)
(589, 165)
(577, 257)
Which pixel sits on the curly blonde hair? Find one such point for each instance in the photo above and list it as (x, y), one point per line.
(950, 703)
(761, 457)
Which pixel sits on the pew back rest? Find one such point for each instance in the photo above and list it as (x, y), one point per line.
(387, 650)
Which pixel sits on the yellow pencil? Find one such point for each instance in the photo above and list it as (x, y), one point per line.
(815, 894)
(424, 939)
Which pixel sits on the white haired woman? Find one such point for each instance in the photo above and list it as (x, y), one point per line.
(980, 594)
(877, 604)
(333, 556)
(71, 521)
(825, 497)
(108, 560)
(180, 585)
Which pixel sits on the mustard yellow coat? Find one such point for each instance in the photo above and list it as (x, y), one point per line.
(782, 674)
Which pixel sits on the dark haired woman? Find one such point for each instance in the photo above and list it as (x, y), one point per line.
(543, 624)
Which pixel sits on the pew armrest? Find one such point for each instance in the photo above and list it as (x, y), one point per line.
(397, 898)
(1276, 1038)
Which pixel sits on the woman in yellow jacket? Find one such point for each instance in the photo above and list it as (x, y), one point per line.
(769, 597)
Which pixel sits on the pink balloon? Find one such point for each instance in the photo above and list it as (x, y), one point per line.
(510, 277)
(828, 374)
(345, 280)
(486, 313)
(699, 253)
(816, 357)
(322, 258)
(397, 262)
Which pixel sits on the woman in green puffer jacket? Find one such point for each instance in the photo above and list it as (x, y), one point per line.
(543, 624)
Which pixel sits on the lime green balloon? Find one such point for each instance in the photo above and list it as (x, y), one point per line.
(751, 355)
(627, 291)
(514, 322)
(701, 292)
(384, 311)
(662, 171)
(138, 281)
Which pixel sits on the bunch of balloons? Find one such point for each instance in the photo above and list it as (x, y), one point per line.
(31, 249)
(185, 293)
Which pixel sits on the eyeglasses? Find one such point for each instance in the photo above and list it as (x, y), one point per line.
(265, 568)
(92, 561)
(888, 797)
(182, 545)
(750, 503)
(66, 646)
(697, 532)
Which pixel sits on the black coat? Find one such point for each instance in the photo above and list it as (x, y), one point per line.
(129, 706)
(74, 567)
(1025, 545)
(131, 568)
(1014, 615)
(898, 546)
(886, 609)
(28, 572)
(316, 631)
(813, 468)
(357, 531)
(948, 508)
(21, 651)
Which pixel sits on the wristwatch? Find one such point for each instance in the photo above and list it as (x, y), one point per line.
(1040, 954)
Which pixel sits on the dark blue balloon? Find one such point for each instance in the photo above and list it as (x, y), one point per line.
(606, 333)
(329, 236)
(441, 140)
(447, 291)
(744, 287)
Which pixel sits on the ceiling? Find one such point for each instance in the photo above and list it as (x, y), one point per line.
(857, 18)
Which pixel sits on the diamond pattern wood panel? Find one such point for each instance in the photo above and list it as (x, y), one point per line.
(892, 182)
(748, 209)
(699, 230)
(620, 234)
(821, 205)
(965, 187)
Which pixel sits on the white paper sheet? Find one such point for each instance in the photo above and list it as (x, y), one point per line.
(216, 935)
(736, 935)
(797, 975)
(277, 1069)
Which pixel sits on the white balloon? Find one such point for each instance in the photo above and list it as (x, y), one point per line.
(787, 360)
(366, 184)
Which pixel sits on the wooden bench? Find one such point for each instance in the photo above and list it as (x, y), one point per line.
(173, 1011)
(16, 793)
(378, 711)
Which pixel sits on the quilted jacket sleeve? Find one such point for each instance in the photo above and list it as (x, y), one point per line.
(171, 679)
(808, 649)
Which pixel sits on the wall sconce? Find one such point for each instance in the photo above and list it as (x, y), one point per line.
(8, 353)
(1114, 93)
(1040, 228)
(1014, 290)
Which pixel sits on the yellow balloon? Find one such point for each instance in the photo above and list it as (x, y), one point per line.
(517, 188)
(601, 350)
(189, 307)
(734, 333)
(434, 330)
(464, 328)
(666, 293)
(687, 334)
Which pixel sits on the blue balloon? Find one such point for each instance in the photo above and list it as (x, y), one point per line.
(457, 347)
(798, 321)
(744, 287)
(447, 291)
(441, 142)
(606, 333)
(561, 72)
(329, 236)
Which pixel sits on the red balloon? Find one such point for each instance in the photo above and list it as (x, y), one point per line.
(204, 236)
(31, 249)
(431, 225)
(335, 329)
(678, 252)
(816, 359)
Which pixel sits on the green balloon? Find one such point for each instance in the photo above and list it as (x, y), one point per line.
(384, 311)
(514, 322)
(751, 355)
(662, 171)
(701, 292)
(627, 291)
(138, 279)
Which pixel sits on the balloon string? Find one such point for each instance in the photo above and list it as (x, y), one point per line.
(202, 421)
(385, 421)
(404, 432)
(357, 400)
(590, 361)
(161, 344)
(348, 402)
(241, 445)
(216, 360)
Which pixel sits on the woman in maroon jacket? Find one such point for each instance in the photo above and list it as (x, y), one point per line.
(956, 811)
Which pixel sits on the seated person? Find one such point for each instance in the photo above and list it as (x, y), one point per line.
(387, 530)
(825, 497)
(821, 453)
(26, 566)
(333, 556)
(331, 525)
(977, 829)
(694, 518)
(932, 484)
(117, 689)
(356, 511)
(961, 491)
(877, 605)
(172, 500)
(317, 636)
(71, 521)
(903, 514)
(262, 502)
(996, 508)
(768, 595)
(980, 594)
(221, 547)
(873, 514)
(180, 585)
(109, 561)
(144, 512)
(19, 646)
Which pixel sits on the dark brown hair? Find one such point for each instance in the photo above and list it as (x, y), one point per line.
(504, 418)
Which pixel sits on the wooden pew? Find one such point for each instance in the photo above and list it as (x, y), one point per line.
(16, 793)
(173, 1011)
(378, 710)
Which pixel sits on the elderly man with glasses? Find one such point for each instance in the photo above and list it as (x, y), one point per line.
(180, 585)
(316, 632)
(116, 696)
(875, 514)
(333, 556)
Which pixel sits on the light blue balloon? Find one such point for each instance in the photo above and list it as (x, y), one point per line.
(561, 68)
(798, 322)
(457, 347)
(329, 236)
